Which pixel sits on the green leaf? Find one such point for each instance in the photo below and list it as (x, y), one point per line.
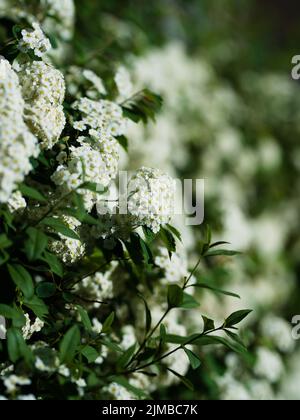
(17, 347)
(69, 344)
(45, 290)
(139, 250)
(168, 239)
(90, 354)
(32, 193)
(142, 106)
(54, 263)
(208, 324)
(215, 244)
(175, 296)
(235, 338)
(163, 333)
(37, 306)
(184, 380)
(193, 358)
(147, 354)
(22, 279)
(96, 188)
(111, 345)
(148, 316)
(85, 319)
(60, 227)
(211, 340)
(236, 318)
(189, 302)
(123, 141)
(108, 323)
(175, 232)
(214, 289)
(149, 234)
(125, 358)
(36, 244)
(14, 314)
(4, 241)
(221, 252)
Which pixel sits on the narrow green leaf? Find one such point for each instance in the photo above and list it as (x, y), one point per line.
(37, 306)
(168, 239)
(85, 319)
(60, 227)
(148, 317)
(236, 318)
(22, 279)
(108, 323)
(45, 290)
(193, 358)
(175, 296)
(36, 243)
(189, 302)
(90, 354)
(17, 347)
(125, 358)
(208, 324)
(123, 141)
(214, 289)
(184, 380)
(69, 344)
(96, 188)
(32, 193)
(175, 232)
(14, 314)
(221, 252)
(54, 263)
(4, 241)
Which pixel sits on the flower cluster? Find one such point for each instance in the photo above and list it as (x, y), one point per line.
(17, 143)
(151, 198)
(34, 39)
(43, 89)
(104, 115)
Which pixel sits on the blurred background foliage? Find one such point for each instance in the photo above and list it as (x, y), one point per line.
(248, 46)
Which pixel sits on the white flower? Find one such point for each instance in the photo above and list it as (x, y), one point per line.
(43, 89)
(268, 365)
(16, 203)
(118, 392)
(279, 332)
(29, 397)
(104, 115)
(17, 144)
(40, 365)
(95, 80)
(175, 269)
(12, 382)
(64, 371)
(81, 383)
(34, 39)
(30, 328)
(152, 198)
(123, 82)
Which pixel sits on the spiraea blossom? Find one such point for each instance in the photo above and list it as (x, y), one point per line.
(103, 114)
(34, 39)
(124, 83)
(151, 200)
(43, 89)
(95, 160)
(17, 143)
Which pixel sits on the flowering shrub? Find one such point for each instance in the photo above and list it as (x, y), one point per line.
(97, 302)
